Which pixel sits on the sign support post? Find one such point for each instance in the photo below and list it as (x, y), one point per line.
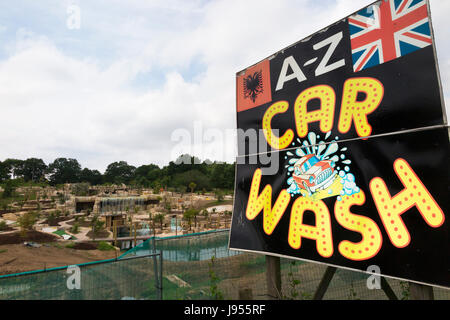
(323, 285)
(334, 149)
(420, 292)
(387, 289)
(273, 277)
(328, 276)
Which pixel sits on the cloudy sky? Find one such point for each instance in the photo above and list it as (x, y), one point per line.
(135, 71)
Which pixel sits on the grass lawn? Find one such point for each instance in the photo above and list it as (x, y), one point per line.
(61, 233)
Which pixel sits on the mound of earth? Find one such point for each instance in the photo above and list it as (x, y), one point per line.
(85, 246)
(85, 224)
(31, 235)
(19, 258)
(55, 222)
(99, 235)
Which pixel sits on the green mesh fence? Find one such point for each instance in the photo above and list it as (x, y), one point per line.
(200, 266)
(103, 280)
(195, 266)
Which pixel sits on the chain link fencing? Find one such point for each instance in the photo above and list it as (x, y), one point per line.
(119, 279)
(200, 266)
(195, 266)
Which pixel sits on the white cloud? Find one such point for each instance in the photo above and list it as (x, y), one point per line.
(56, 103)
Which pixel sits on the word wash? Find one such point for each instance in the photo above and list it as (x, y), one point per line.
(390, 209)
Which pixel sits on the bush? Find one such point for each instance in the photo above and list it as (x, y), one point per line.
(219, 195)
(70, 245)
(75, 228)
(26, 222)
(51, 218)
(97, 226)
(105, 246)
(3, 225)
(80, 189)
(9, 189)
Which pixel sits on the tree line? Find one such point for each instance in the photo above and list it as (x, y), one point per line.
(187, 171)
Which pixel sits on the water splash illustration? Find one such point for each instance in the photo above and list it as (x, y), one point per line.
(319, 169)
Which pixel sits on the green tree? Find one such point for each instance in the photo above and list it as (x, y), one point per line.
(214, 290)
(51, 218)
(64, 170)
(8, 189)
(80, 189)
(33, 169)
(96, 226)
(219, 195)
(205, 213)
(200, 179)
(156, 187)
(119, 172)
(189, 215)
(145, 175)
(26, 222)
(167, 205)
(159, 218)
(93, 177)
(3, 225)
(75, 228)
(4, 172)
(61, 197)
(192, 186)
(14, 167)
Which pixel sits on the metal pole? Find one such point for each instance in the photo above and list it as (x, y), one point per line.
(135, 235)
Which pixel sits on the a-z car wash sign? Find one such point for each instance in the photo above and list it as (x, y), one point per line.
(354, 118)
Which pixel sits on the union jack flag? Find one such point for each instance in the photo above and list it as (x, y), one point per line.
(386, 31)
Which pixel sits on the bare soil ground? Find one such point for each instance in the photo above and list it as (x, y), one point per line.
(32, 235)
(100, 235)
(19, 258)
(85, 224)
(55, 222)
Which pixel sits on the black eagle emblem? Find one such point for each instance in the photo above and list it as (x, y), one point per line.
(253, 85)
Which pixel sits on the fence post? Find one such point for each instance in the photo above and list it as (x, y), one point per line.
(135, 239)
(273, 277)
(420, 291)
(161, 273)
(115, 232)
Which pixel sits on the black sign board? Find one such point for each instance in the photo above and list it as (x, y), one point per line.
(359, 149)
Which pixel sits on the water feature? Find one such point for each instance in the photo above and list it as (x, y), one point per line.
(122, 204)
